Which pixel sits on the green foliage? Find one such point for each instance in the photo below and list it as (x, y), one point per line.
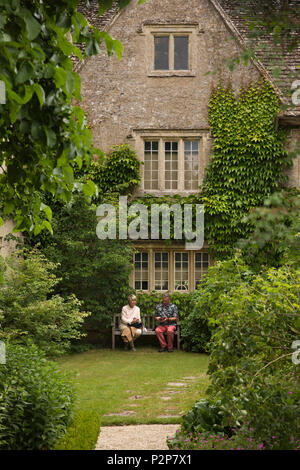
(275, 240)
(119, 172)
(36, 400)
(43, 136)
(247, 162)
(148, 302)
(28, 308)
(250, 364)
(215, 441)
(207, 302)
(83, 432)
(254, 319)
(96, 271)
(206, 416)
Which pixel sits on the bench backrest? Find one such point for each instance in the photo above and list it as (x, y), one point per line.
(148, 321)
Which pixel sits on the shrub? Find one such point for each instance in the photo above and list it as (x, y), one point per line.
(250, 364)
(206, 302)
(205, 416)
(36, 400)
(148, 302)
(118, 172)
(83, 432)
(200, 441)
(28, 308)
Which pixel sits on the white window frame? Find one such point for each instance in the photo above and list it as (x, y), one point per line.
(171, 270)
(141, 261)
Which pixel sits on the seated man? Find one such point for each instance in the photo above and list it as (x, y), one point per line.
(167, 314)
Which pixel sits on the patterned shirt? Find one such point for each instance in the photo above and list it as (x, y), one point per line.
(167, 312)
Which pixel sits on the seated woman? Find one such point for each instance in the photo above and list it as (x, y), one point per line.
(130, 314)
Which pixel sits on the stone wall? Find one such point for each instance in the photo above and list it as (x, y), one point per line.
(6, 247)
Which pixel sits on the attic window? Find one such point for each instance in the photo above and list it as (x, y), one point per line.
(171, 52)
(171, 49)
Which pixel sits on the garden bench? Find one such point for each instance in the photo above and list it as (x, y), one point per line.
(148, 322)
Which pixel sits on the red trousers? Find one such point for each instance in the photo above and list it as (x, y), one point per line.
(169, 329)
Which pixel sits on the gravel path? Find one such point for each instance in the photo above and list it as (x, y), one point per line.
(135, 437)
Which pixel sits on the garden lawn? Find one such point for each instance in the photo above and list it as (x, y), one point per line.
(109, 382)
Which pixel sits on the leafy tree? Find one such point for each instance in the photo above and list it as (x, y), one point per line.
(42, 134)
(28, 308)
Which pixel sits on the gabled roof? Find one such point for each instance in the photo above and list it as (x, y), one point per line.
(276, 65)
(90, 12)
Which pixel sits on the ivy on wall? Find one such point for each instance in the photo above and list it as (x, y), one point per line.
(116, 173)
(247, 162)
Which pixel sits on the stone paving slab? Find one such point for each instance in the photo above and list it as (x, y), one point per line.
(135, 437)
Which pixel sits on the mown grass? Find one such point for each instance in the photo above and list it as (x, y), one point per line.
(105, 381)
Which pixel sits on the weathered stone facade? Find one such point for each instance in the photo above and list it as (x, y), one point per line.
(120, 97)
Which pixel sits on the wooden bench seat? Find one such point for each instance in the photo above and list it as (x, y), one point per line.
(148, 322)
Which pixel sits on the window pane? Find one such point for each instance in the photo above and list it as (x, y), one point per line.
(161, 52)
(191, 164)
(201, 266)
(141, 271)
(171, 165)
(161, 273)
(151, 165)
(181, 271)
(181, 52)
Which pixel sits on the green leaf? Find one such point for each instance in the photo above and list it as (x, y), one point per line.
(39, 93)
(48, 226)
(8, 207)
(32, 25)
(118, 46)
(104, 5)
(26, 71)
(51, 137)
(89, 188)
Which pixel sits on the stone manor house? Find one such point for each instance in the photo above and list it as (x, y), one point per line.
(156, 99)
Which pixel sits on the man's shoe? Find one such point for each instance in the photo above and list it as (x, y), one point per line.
(162, 350)
(170, 350)
(133, 349)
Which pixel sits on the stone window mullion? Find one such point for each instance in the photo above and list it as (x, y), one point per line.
(161, 165)
(171, 52)
(181, 165)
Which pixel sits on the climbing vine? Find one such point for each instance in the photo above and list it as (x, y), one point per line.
(247, 162)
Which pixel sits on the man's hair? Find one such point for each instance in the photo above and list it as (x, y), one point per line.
(166, 295)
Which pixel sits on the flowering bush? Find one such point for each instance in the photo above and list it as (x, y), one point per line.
(219, 441)
(254, 318)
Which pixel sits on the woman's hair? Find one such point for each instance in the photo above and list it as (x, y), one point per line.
(131, 297)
